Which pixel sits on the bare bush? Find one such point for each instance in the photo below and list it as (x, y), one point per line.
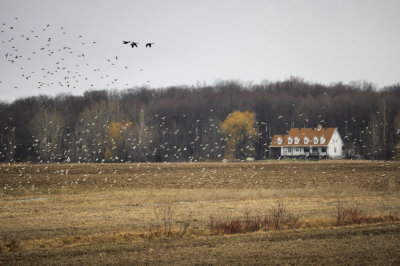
(277, 214)
(186, 224)
(252, 224)
(349, 215)
(280, 218)
(164, 212)
(13, 245)
(231, 226)
(153, 231)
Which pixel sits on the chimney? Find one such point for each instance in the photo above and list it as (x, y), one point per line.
(319, 127)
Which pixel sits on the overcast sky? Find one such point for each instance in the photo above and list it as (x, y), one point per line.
(194, 41)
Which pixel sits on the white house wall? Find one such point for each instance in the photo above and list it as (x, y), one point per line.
(335, 146)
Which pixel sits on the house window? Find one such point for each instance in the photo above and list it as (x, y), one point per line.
(290, 140)
(279, 141)
(289, 149)
(334, 149)
(306, 149)
(322, 140)
(323, 150)
(315, 150)
(296, 140)
(306, 140)
(297, 150)
(315, 140)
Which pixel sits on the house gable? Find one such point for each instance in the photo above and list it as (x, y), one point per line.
(335, 146)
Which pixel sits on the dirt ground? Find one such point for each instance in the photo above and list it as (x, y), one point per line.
(56, 178)
(91, 214)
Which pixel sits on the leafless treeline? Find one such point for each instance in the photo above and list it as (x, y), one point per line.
(183, 123)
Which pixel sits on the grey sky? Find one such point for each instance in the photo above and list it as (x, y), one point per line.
(195, 41)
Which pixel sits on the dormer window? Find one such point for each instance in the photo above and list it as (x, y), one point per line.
(279, 141)
(315, 140)
(306, 140)
(290, 140)
(322, 140)
(296, 140)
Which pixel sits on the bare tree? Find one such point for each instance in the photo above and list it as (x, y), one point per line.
(47, 130)
(91, 130)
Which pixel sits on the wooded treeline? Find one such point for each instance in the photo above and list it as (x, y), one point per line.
(183, 123)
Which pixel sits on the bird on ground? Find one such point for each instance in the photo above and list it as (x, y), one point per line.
(134, 44)
(149, 44)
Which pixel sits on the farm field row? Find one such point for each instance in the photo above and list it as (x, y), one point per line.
(75, 178)
(102, 207)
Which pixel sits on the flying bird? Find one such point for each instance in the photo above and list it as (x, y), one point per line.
(126, 42)
(149, 44)
(134, 44)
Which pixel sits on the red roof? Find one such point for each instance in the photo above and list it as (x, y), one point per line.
(298, 136)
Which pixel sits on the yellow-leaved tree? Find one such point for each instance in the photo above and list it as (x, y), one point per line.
(240, 131)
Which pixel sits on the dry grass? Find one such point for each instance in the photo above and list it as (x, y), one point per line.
(44, 207)
(347, 245)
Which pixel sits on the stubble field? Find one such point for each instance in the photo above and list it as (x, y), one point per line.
(187, 212)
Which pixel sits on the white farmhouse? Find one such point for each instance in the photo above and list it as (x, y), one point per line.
(307, 142)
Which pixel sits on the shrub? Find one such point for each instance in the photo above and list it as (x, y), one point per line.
(348, 216)
(186, 224)
(13, 245)
(253, 224)
(165, 213)
(277, 214)
(232, 226)
(278, 218)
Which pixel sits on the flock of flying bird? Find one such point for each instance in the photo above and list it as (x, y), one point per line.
(134, 44)
(65, 60)
(49, 56)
